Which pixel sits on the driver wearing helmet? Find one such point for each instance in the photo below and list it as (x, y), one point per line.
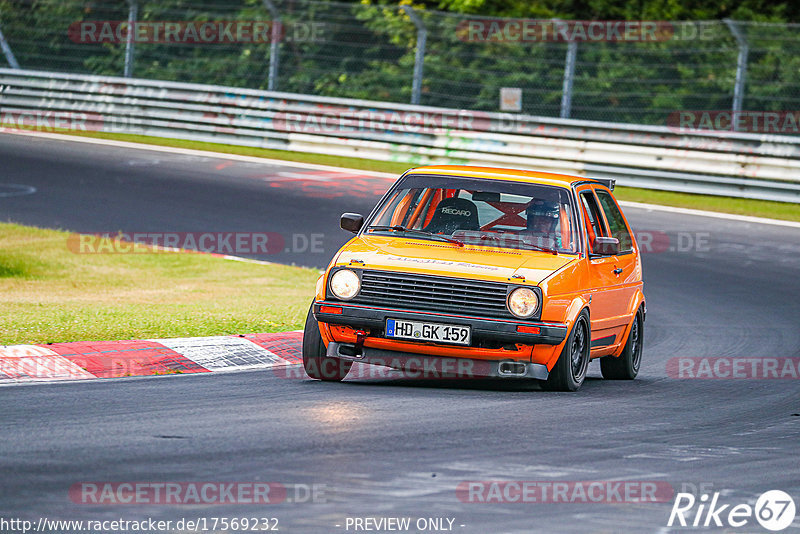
(542, 221)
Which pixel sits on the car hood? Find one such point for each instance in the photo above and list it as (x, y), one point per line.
(422, 256)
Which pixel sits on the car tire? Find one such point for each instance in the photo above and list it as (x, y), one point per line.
(569, 371)
(315, 360)
(626, 365)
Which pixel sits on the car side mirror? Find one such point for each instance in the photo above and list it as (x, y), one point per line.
(607, 246)
(352, 222)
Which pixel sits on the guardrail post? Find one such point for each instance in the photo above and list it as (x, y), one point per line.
(741, 69)
(419, 57)
(569, 75)
(133, 13)
(272, 80)
(12, 61)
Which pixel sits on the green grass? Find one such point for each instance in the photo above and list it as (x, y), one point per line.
(50, 294)
(362, 164)
(756, 208)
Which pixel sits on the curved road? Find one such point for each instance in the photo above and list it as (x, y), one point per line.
(400, 448)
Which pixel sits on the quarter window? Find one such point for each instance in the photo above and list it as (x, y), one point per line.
(616, 221)
(592, 218)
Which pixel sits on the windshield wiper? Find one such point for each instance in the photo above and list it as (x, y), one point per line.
(543, 249)
(401, 228)
(522, 241)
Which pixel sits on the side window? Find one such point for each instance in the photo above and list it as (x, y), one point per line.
(616, 221)
(592, 218)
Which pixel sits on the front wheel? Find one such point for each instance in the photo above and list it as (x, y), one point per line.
(315, 360)
(626, 365)
(569, 371)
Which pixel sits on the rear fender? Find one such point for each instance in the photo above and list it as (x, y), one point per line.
(636, 302)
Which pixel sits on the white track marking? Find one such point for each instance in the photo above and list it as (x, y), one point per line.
(245, 260)
(223, 353)
(16, 190)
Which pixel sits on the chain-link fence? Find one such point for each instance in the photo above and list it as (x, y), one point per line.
(642, 72)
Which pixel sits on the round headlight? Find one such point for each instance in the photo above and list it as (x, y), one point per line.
(345, 284)
(522, 302)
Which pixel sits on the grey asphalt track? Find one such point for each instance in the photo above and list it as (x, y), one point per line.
(400, 448)
(97, 189)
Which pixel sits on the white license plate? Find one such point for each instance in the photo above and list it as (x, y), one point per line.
(419, 331)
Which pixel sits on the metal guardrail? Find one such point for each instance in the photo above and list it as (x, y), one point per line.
(717, 163)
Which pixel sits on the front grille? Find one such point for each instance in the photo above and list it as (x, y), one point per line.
(433, 293)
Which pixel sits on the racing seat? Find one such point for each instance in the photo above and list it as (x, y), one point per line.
(453, 214)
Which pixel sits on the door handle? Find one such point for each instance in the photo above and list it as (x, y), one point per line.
(618, 270)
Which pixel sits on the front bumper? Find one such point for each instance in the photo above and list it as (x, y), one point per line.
(501, 330)
(425, 366)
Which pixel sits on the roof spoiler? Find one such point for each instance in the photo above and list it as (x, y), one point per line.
(608, 182)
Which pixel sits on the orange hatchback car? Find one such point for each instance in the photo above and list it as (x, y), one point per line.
(483, 272)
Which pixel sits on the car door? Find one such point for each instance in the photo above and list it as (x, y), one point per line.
(603, 277)
(627, 266)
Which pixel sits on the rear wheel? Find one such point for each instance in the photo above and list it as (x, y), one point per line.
(315, 361)
(626, 365)
(569, 371)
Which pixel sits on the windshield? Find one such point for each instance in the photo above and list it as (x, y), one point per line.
(472, 211)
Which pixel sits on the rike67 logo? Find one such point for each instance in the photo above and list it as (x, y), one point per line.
(774, 510)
